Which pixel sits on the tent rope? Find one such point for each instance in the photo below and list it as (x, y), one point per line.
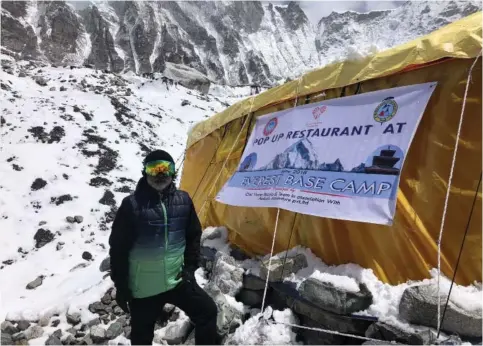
(270, 260)
(227, 157)
(328, 331)
(459, 254)
(450, 179)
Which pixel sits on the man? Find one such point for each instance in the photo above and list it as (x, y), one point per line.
(154, 249)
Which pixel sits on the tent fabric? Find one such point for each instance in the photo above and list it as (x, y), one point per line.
(407, 250)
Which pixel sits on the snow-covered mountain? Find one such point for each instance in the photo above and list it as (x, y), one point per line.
(299, 155)
(232, 42)
(352, 34)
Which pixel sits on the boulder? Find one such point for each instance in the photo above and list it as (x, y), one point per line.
(176, 333)
(23, 325)
(281, 268)
(42, 81)
(227, 275)
(53, 340)
(228, 317)
(36, 283)
(68, 339)
(98, 334)
(63, 88)
(70, 219)
(207, 258)
(105, 264)
(253, 282)
(106, 299)
(187, 77)
(78, 218)
(73, 318)
(383, 331)
(334, 299)
(6, 339)
(419, 305)
(251, 298)
(8, 328)
(114, 330)
(313, 337)
(33, 332)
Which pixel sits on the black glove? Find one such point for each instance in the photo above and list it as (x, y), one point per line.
(187, 275)
(123, 299)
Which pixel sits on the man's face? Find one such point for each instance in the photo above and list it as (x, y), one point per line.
(159, 182)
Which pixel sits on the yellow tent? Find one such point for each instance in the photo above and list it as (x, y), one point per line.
(408, 249)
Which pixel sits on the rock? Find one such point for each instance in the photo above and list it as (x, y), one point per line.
(228, 317)
(53, 340)
(43, 237)
(63, 88)
(227, 275)
(278, 270)
(85, 340)
(175, 333)
(250, 297)
(69, 339)
(60, 245)
(78, 218)
(331, 298)
(117, 311)
(23, 325)
(98, 334)
(419, 305)
(73, 318)
(86, 255)
(36, 283)
(6, 339)
(105, 265)
(38, 184)
(18, 336)
(313, 337)
(41, 80)
(123, 320)
(187, 77)
(454, 340)
(108, 199)
(106, 299)
(253, 282)
(70, 219)
(55, 323)
(207, 257)
(79, 266)
(114, 330)
(383, 331)
(52, 89)
(97, 307)
(34, 332)
(8, 328)
(185, 103)
(93, 322)
(22, 74)
(44, 321)
(41, 223)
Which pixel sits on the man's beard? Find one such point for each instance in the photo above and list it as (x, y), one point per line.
(159, 183)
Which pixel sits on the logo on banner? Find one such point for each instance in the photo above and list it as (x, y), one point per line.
(386, 110)
(318, 111)
(270, 127)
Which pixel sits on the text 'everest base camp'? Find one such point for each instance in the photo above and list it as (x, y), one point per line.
(303, 172)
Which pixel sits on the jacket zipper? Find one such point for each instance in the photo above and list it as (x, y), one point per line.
(166, 240)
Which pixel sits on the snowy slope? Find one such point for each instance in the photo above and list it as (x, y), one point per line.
(94, 159)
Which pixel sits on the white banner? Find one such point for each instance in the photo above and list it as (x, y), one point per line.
(340, 158)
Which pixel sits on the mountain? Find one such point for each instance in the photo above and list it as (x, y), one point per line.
(352, 34)
(336, 166)
(229, 42)
(234, 42)
(299, 155)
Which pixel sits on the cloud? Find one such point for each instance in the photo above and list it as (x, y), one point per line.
(315, 10)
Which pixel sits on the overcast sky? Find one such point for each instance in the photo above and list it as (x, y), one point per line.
(315, 10)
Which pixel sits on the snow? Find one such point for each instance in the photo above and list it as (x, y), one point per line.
(258, 331)
(63, 287)
(344, 283)
(220, 242)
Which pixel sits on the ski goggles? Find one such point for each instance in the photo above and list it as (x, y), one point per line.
(154, 168)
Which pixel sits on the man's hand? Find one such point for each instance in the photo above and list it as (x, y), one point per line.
(123, 299)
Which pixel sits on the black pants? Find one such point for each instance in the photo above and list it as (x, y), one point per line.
(187, 296)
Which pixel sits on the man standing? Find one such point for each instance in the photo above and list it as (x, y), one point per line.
(154, 249)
